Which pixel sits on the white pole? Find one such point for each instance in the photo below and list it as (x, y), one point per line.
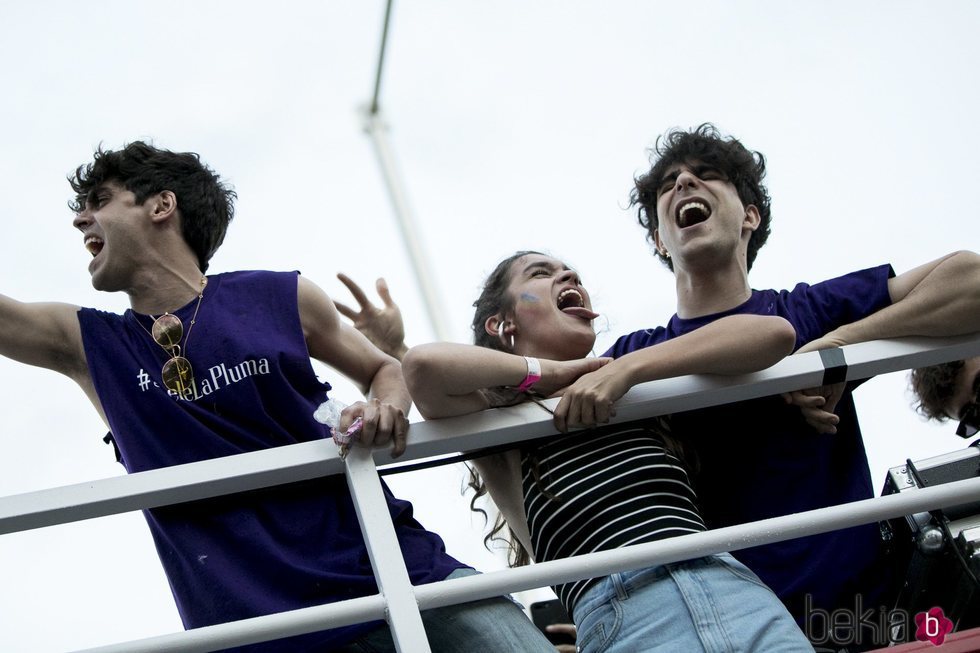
(377, 129)
(384, 552)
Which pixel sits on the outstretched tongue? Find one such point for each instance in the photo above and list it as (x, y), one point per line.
(580, 311)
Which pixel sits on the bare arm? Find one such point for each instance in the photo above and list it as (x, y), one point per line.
(940, 298)
(43, 334)
(737, 344)
(448, 379)
(378, 375)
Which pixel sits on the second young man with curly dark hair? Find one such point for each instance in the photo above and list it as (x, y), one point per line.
(706, 210)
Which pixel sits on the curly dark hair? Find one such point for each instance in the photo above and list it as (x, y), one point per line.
(517, 555)
(934, 386)
(206, 204)
(744, 168)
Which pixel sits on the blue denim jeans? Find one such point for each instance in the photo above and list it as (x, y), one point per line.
(497, 624)
(713, 604)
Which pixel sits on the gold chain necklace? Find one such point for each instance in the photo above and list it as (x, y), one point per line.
(167, 331)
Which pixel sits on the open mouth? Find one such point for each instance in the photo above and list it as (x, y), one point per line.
(570, 298)
(692, 213)
(571, 302)
(94, 245)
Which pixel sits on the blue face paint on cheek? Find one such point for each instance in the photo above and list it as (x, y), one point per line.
(528, 297)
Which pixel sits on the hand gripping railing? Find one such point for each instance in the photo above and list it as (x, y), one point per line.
(399, 602)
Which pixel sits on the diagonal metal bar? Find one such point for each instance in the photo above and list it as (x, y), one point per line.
(481, 586)
(491, 428)
(376, 96)
(377, 129)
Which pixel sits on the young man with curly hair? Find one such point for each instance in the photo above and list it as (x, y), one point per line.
(705, 208)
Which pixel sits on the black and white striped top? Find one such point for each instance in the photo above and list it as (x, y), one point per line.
(610, 487)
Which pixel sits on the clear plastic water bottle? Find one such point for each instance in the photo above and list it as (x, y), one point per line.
(329, 413)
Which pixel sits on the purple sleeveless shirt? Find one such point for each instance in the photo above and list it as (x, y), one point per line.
(264, 551)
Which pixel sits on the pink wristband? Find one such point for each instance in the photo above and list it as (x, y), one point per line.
(533, 374)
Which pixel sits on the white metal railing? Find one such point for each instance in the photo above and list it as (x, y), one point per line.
(399, 602)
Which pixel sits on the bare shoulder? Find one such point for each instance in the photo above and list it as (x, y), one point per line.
(313, 298)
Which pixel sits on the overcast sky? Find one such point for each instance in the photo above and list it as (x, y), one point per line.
(516, 125)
